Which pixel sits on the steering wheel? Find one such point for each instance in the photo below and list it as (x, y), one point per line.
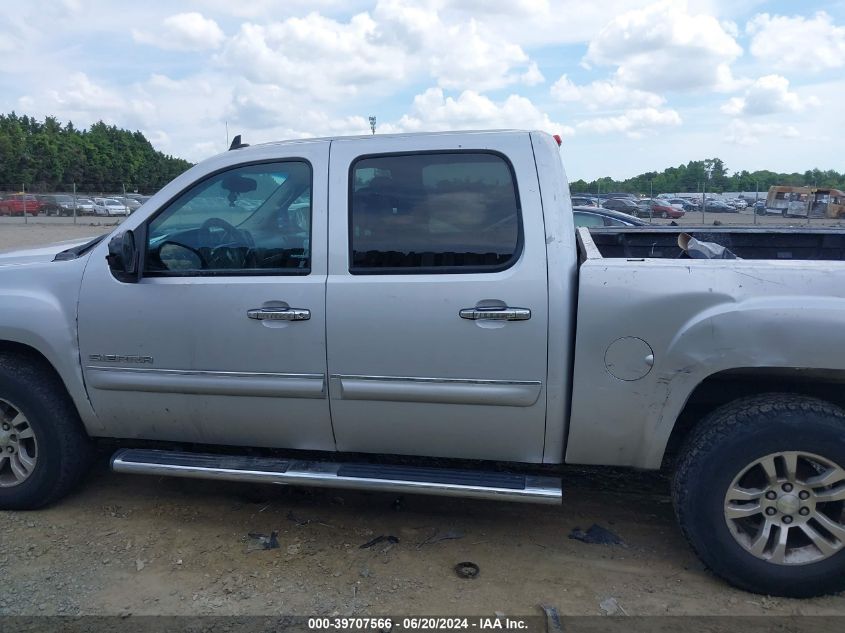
(225, 233)
(225, 243)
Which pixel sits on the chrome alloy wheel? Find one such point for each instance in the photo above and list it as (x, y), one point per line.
(18, 447)
(787, 508)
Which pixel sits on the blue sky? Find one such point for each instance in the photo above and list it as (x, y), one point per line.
(631, 85)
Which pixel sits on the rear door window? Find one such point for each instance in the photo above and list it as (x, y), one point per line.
(433, 212)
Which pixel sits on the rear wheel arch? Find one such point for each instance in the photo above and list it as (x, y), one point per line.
(723, 387)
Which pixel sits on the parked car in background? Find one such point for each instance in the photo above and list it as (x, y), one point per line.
(654, 208)
(84, 206)
(57, 204)
(584, 201)
(683, 204)
(716, 206)
(109, 206)
(18, 203)
(129, 203)
(623, 205)
(593, 217)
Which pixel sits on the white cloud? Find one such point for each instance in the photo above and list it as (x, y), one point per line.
(604, 94)
(376, 52)
(183, 32)
(797, 43)
(665, 47)
(324, 58)
(634, 123)
(768, 95)
(433, 111)
(743, 133)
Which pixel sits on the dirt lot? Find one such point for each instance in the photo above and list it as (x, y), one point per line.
(39, 231)
(143, 545)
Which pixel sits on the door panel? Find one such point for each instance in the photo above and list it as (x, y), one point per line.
(408, 374)
(178, 357)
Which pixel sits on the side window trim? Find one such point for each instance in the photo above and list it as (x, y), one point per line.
(254, 272)
(433, 270)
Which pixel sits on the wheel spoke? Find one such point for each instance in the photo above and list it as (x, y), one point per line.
(26, 460)
(790, 460)
(831, 476)
(836, 530)
(762, 538)
(779, 550)
(18, 469)
(26, 433)
(823, 545)
(768, 466)
(738, 493)
(18, 419)
(742, 511)
(832, 494)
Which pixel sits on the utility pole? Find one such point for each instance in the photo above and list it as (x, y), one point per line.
(74, 202)
(23, 199)
(373, 124)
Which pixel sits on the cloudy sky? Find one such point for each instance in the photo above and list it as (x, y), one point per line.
(631, 85)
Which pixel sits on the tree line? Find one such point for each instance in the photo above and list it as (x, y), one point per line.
(690, 177)
(47, 156)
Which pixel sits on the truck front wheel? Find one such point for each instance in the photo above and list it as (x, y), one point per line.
(759, 493)
(44, 450)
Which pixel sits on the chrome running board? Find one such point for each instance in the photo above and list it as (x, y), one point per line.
(377, 477)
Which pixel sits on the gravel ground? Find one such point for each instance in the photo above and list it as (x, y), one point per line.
(146, 545)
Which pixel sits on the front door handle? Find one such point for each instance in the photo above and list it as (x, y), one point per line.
(496, 314)
(279, 314)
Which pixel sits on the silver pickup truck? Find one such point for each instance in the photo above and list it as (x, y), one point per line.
(417, 313)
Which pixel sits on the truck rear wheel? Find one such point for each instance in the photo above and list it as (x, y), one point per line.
(45, 450)
(759, 494)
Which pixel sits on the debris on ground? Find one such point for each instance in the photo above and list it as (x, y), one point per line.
(298, 521)
(596, 535)
(437, 536)
(380, 539)
(553, 624)
(611, 606)
(467, 569)
(262, 541)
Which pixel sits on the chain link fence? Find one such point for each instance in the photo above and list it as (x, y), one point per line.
(79, 202)
(815, 208)
(73, 202)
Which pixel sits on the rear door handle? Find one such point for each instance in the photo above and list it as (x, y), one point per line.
(279, 314)
(496, 314)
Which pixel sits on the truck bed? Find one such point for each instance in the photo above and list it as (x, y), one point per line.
(747, 243)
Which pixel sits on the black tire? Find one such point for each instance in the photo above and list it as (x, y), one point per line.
(724, 443)
(64, 449)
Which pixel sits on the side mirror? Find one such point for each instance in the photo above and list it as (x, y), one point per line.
(123, 258)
